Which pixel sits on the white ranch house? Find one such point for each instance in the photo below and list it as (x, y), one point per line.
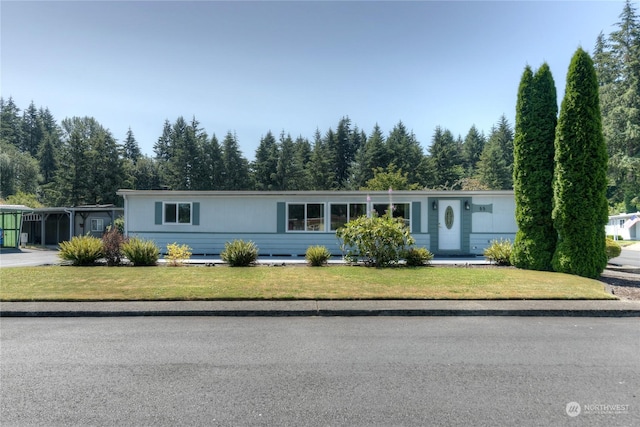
(624, 226)
(285, 224)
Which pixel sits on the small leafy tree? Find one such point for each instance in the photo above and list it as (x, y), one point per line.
(118, 223)
(112, 242)
(379, 241)
(177, 254)
(391, 177)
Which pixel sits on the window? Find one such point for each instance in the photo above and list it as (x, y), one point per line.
(400, 210)
(343, 213)
(305, 217)
(97, 224)
(177, 213)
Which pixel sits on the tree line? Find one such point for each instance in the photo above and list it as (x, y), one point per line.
(78, 161)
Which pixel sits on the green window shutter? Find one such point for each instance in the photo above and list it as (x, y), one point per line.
(158, 212)
(416, 217)
(196, 213)
(281, 217)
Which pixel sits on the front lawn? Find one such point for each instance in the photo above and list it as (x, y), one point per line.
(66, 283)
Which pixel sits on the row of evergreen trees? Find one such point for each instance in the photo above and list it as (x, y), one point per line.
(560, 173)
(564, 167)
(81, 162)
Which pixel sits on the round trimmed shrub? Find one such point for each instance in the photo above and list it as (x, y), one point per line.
(239, 253)
(82, 250)
(613, 249)
(499, 251)
(317, 256)
(141, 252)
(418, 257)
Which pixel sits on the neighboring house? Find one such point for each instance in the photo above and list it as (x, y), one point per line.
(11, 224)
(287, 223)
(625, 226)
(61, 224)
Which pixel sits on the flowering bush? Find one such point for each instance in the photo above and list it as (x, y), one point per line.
(177, 254)
(379, 241)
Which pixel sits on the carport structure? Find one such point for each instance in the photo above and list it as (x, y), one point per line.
(54, 225)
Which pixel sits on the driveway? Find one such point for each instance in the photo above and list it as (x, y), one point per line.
(28, 257)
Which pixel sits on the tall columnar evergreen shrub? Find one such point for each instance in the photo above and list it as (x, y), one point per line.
(580, 211)
(536, 119)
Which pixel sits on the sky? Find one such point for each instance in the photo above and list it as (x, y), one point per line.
(251, 67)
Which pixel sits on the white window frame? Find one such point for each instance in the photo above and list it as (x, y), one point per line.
(177, 213)
(348, 204)
(407, 220)
(307, 229)
(96, 225)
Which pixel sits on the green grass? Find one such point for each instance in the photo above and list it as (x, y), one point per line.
(65, 283)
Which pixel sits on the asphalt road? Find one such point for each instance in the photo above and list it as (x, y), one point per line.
(320, 371)
(628, 257)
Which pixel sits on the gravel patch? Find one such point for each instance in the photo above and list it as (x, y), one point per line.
(624, 285)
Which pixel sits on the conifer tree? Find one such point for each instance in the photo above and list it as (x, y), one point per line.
(492, 172)
(404, 151)
(319, 170)
(32, 131)
(213, 164)
(265, 166)
(130, 147)
(10, 122)
(236, 167)
(536, 118)
(370, 156)
(617, 63)
(580, 209)
(289, 168)
(472, 148)
(445, 160)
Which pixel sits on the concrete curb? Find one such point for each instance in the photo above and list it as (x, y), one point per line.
(533, 308)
